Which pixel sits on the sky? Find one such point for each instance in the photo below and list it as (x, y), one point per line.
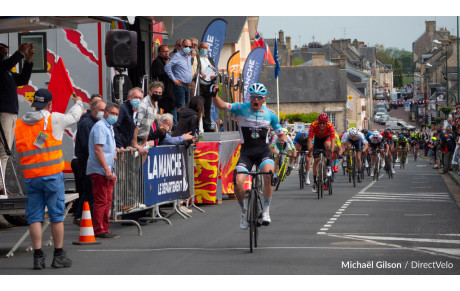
(391, 31)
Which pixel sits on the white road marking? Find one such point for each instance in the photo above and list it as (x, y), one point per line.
(413, 239)
(424, 187)
(333, 219)
(357, 214)
(428, 214)
(455, 252)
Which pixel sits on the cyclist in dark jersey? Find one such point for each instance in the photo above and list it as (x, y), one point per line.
(254, 121)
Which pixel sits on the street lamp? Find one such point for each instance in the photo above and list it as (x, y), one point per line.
(437, 42)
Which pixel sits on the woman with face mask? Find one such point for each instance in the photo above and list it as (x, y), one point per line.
(124, 127)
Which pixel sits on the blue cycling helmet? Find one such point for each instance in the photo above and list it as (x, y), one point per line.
(258, 89)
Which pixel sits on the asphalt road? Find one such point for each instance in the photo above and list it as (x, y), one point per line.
(409, 225)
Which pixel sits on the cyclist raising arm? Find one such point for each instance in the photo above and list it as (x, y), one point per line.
(254, 120)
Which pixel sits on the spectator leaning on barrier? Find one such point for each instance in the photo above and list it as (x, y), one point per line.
(145, 115)
(102, 155)
(9, 106)
(124, 128)
(97, 108)
(165, 125)
(189, 117)
(39, 143)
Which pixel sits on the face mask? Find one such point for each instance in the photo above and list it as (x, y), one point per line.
(135, 103)
(457, 116)
(156, 97)
(100, 115)
(112, 119)
(203, 52)
(186, 50)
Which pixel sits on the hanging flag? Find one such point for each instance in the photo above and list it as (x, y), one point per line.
(259, 42)
(214, 36)
(234, 69)
(252, 68)
(277, 60)
(61, 87)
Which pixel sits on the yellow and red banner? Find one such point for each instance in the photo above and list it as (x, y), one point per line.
(206, 158)
(234, 69)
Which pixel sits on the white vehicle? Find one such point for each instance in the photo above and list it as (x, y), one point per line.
(381, 117)
(399, 125)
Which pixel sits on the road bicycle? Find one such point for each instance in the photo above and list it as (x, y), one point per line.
(377, 164)
(282, 168)
(302, 172)
(351, 165)
(322, 178)
(403, 159)
(388, 166)
(254, 203)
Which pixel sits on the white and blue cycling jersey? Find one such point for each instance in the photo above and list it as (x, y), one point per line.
(254, 125)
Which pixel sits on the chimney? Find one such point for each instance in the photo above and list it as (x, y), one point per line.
(356, 43)
(288, 43)
(281, 36)
(430, 26)
(304, 49)
(343, 61)
(318, 59)
(336, 43)
(361, 44)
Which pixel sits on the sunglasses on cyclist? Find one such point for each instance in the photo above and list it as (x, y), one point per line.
(258, 97)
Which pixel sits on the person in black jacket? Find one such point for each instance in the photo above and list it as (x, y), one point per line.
(157, 73)
(208, 71)
(82, 153)
(124, 128)
(9, 106)
(189, 117)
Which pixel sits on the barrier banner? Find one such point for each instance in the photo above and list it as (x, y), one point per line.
(206, 158)
(165, 174)
(229, 153)
(251, 69)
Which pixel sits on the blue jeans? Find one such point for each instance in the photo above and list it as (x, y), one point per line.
(182, 98)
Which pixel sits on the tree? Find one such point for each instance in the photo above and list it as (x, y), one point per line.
(297, 61)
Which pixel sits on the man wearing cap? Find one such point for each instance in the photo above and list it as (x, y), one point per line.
(39, 143)
(9, 107)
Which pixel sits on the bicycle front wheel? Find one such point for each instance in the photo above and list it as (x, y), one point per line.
(353, 172)
(302, 172)
(252, 217)
(281, 174)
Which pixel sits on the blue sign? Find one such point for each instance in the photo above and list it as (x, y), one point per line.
(252, 68)
(165, 175)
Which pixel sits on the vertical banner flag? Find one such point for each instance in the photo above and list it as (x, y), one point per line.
(234, 68)
(157, 29)
(61, 87)
(252, 68)
(259, 42)
(214, 36)
(277, 60)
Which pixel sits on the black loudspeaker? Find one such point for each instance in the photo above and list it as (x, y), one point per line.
(121, 48)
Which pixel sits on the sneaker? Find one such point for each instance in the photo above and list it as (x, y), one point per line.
(39, 262)
(127, 208)
(435, 167)
(308, 180)
(314, 189)
(77, 222)
(325, 187)
(372, 172)
(336, 169)
(393, 171)
(185, 209)
(106, 235)
(265, 220)
(328, 172)
(289, 169)
(398, 160)
(359, 179)
(244, 224)
(366, 163)
(383, 163)
(61, 261)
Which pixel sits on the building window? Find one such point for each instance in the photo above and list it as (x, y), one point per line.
(332, 118)
(39, 58)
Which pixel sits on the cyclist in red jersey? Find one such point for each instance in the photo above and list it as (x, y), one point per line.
(324, 134)
(388, 137)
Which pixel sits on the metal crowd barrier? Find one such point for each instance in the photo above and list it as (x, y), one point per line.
(129, 196)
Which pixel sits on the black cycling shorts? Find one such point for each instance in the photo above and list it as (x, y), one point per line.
(250, 157)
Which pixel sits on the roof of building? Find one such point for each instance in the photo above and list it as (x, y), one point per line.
(194, 26)
(305, 84)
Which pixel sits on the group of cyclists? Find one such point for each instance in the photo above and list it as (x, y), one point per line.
(263, 139)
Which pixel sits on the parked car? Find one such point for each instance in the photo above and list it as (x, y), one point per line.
(395, 98)
(381, 110)
(381, 105)
(381, 117)
(379, 96)
(398, 125)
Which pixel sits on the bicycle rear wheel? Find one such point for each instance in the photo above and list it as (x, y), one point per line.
(353, 171)
(319, 178)
(329, 185)
(252, 217)
(349, 165)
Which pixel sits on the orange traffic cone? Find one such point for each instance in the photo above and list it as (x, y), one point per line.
(86, 228)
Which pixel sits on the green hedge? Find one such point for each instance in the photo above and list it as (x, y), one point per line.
(300, 117)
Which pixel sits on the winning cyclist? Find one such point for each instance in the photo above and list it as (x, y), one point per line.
(324, 134)
(301, 144)
(254, 120)
(353, 136)
(277, 145)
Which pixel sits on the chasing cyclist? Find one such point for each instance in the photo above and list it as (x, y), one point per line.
(356, 138)
(377, 145)
(301, 145)
(323, 133)
(277, 145)
(254, 120)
